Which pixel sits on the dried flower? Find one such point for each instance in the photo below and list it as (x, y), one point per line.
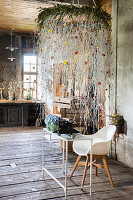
(116, 118)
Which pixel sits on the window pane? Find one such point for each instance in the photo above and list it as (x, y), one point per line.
(33, 59)
(30, 76)
(27, 59)
(33, 86)
(30, 86)
(33, 68)
(27, 67)
(27, 78)
(34, 94)
(27, 86)
(30, 59)
(33, 78)
(30, 95)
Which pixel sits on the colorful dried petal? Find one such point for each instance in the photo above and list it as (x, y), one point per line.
(99, 83)
(85, 62)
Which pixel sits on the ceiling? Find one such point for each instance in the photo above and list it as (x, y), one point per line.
(21, 14)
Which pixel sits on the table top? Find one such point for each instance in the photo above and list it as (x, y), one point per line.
(69, 137)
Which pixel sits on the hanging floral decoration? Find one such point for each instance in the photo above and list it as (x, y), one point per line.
(60, 12)
(75, 60)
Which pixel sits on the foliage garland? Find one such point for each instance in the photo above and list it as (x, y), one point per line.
(59, 12)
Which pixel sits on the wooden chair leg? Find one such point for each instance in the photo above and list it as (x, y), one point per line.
(85, 170)
(75, 165)
(107, 169)
(96, 168)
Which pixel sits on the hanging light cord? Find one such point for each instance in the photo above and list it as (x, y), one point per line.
(11, 37)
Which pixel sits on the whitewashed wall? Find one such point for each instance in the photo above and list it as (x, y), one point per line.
(122, 38)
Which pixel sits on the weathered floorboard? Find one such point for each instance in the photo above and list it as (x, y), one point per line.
(24, 148)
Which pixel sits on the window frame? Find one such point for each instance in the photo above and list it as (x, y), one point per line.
(30, 73)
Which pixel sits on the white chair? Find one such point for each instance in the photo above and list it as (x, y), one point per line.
(100, 147)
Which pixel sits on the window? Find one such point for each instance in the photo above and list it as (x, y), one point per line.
(30, 76)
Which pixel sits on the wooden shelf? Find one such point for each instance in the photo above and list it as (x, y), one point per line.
(17, 101)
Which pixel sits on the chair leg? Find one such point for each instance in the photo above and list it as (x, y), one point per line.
(96, 168)
(75, 165)
(85, 170)
(107, 169)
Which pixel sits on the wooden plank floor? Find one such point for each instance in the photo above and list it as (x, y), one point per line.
(21, 175)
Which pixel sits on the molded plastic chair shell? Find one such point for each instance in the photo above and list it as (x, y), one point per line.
(101, 142)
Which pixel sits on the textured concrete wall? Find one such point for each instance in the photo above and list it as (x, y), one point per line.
(10, 70)
(122, 38)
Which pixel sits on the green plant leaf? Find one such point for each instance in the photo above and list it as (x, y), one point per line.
(59, 12)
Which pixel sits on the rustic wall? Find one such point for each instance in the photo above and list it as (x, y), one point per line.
(122, 64)
(12, 70)
(7, 68)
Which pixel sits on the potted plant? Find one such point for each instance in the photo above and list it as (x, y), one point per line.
(118, 121)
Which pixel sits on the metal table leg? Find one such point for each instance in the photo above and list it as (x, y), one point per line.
(43, 159)
(63, 156)
(66, 169)
(91, 169)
